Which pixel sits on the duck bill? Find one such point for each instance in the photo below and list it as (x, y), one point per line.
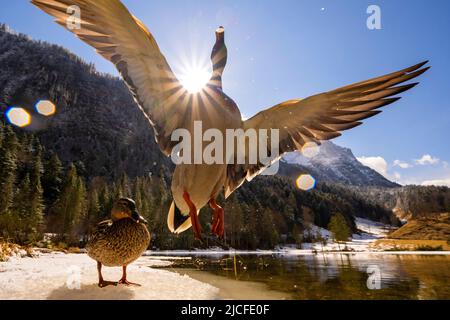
(138, 218)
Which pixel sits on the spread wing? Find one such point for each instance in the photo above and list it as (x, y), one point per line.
(121, 38)
(323, 116)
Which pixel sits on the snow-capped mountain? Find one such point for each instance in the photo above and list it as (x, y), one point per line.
(333, 163)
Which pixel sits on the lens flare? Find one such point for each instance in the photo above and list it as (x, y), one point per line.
(45, 108)
(306, 182)
(18, 117)
(310, 149)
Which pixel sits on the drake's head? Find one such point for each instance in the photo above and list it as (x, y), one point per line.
(126, 208)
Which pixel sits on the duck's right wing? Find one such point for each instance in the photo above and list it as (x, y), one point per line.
(118, 36)
(103, 226)
(323, 116)
(99, 231)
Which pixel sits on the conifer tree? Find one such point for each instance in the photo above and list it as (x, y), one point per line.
(338, 226)
(93, 208)
(8, 166)
(70, 204)
(80, 206)
(52, 179)
(124, 187)
(36, 197)
(105, 202)
(17, 227)
(265, 228)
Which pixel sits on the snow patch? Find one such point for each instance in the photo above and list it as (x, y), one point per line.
(372, 228)
(74, 276)
(315, 230)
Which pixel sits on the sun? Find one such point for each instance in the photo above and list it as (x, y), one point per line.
(194, 78)
(193, 67)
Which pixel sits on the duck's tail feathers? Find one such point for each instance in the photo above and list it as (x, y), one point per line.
(176, 221)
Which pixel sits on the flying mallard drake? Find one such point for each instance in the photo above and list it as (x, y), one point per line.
(119, 241)
(123, 39)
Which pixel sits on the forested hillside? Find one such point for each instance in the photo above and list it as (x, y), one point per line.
(409, 202)
(97, 121)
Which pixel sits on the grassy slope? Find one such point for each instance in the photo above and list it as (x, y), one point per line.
(408, 245)
(430, 228)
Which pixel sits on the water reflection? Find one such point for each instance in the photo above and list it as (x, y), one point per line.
(337, 276)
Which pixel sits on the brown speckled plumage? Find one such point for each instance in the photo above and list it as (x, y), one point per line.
(118, 243)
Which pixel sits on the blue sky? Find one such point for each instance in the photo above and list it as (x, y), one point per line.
(280, 50)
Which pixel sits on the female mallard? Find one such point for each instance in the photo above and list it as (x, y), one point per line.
(119, 241)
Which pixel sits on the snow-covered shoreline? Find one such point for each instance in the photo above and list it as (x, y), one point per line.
(59, 276)
(360, 244)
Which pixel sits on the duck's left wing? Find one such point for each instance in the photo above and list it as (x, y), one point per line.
(323, 116)
(118, 36)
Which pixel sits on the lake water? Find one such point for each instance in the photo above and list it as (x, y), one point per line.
(330, 276)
